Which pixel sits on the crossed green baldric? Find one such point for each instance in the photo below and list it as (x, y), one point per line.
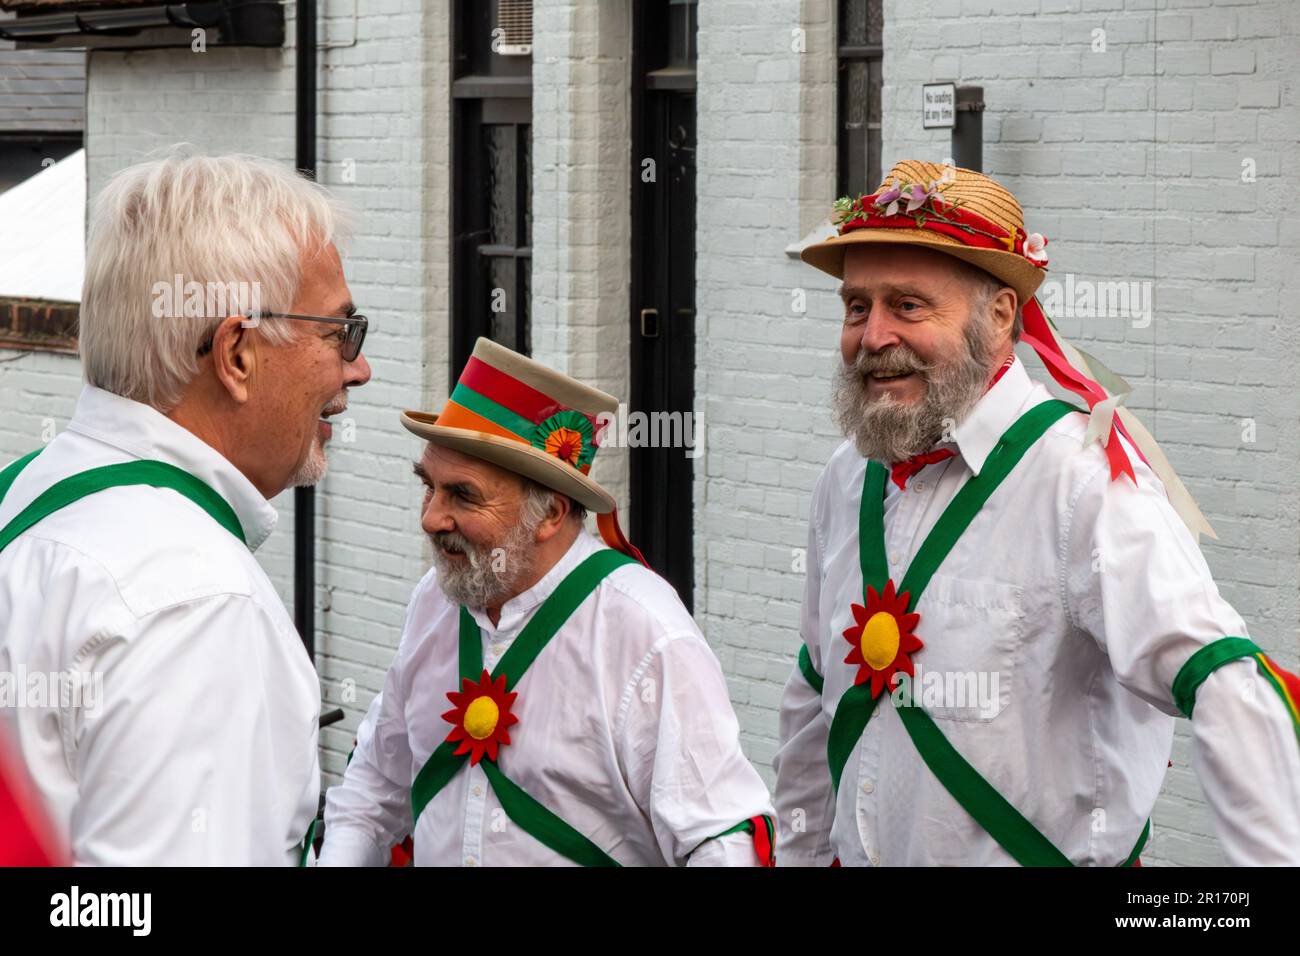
(443, 763)
(1015, 834)
(156, 474)
(530, 815)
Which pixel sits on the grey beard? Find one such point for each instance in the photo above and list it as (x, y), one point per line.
(312, 470)
(490, 573)
(888, 430)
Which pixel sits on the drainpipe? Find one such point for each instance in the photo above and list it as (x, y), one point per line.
(968, 129)
(304, 499)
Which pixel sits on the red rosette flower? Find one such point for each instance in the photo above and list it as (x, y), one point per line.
(882, 638)
(481, 717)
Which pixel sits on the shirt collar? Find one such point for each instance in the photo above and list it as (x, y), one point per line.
(518, 607)
(993, 414)
(143, 432)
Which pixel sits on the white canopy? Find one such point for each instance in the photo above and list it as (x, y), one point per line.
(43, 233)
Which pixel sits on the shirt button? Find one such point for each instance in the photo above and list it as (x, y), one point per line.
(895, 558)
(919, 486)
(868, 786)
(875, 859)
(478, 791)
(470, 861)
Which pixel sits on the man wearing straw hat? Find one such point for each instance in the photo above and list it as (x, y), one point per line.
(1006, 607)
(589, 721)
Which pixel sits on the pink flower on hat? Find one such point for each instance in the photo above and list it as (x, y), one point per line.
(888, 200)
(1036, 248)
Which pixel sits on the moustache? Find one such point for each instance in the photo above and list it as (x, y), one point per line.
(453, 541)
(337, 405)
(899, 360)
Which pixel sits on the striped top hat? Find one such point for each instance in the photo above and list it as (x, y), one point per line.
(516, 413)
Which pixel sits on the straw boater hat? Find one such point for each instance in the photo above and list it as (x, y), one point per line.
(971, 217)
(522, 416)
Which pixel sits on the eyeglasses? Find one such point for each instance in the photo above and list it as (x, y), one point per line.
(351, 347)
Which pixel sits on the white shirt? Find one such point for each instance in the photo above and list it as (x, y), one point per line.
(625, 732)
(1083, 597)
(201, 748)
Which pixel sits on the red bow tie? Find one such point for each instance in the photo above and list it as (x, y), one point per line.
(900, 471)
(903, 470)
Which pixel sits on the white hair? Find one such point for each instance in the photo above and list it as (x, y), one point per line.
(234, 223)
(983, 288)
(538, 501)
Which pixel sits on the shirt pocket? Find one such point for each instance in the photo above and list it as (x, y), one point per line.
(972, 632)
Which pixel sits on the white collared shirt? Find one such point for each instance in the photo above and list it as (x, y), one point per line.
(194, 739)
(625, 731)
(1082, 598)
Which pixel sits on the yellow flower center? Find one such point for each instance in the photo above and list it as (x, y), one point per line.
(481, 718)
(880, 640)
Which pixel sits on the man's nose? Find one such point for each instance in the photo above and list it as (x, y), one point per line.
(879, 332)
(435, 517)
(358, 371)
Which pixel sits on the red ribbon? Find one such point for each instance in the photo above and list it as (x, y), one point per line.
(762, 841)
(613, 535)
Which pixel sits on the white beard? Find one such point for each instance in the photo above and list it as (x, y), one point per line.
(488, 574)
(888, 430)
(313, 469)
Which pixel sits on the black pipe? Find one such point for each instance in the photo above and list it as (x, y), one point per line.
(304, 499)
(968, 128)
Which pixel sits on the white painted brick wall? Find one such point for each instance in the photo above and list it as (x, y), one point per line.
(765, 175)
(581, 189)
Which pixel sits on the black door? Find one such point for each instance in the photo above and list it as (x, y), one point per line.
(663, 287)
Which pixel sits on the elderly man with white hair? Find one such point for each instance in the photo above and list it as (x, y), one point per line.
(188, 733)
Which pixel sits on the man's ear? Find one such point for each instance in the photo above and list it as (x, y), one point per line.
(1003, 310)
(233, 357)
(555, 518)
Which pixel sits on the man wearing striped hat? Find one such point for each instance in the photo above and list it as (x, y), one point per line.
(589, 722)
(1006, 607)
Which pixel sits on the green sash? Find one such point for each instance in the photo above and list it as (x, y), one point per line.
(158, 474)
(442, 765)
(1015, 834)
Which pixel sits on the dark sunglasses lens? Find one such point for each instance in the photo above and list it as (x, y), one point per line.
(356, 335)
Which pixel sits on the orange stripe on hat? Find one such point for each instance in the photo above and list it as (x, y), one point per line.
(458, 416)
